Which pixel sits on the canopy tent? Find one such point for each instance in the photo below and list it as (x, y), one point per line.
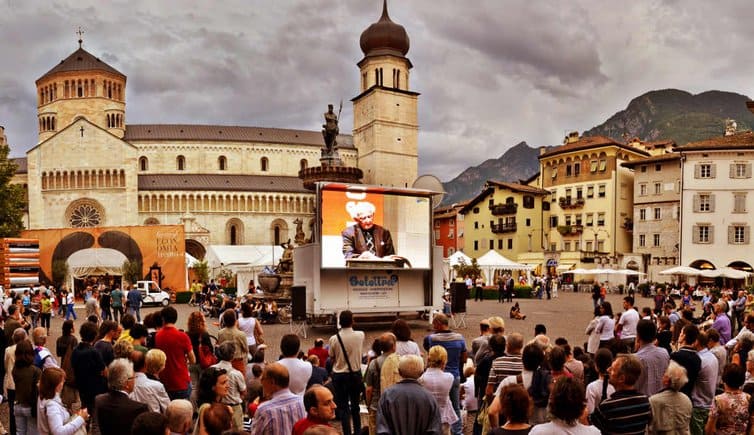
(724, 272)
(681, 270)
(455, 259)
(246, 261)
(492, 261)
(96, 261)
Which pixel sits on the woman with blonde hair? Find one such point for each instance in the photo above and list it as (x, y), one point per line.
(438, 382)
(53, 418)
(155, 363)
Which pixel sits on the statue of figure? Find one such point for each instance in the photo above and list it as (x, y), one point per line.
(330, 130)
(286, 261)
(300, 236)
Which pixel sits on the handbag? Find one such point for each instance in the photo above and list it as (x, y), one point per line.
(207, 357)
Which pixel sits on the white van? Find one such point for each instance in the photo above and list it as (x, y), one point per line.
(152, 294)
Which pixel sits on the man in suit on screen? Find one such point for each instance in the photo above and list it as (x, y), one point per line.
(365, 239)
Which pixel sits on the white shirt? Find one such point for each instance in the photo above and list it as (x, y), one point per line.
(628, 320)
(246, 325)
(150, 392)
(299, 373)
(53, 418)
(594, 394)
(70, 299)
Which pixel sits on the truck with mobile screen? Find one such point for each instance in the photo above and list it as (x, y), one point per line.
(373, 253)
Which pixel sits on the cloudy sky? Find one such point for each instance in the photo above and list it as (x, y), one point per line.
(491, 73)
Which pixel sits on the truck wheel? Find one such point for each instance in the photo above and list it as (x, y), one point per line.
(165, 302)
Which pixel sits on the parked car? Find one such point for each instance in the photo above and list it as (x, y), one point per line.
(152, 294)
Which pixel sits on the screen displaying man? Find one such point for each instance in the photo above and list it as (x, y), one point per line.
(366, 239)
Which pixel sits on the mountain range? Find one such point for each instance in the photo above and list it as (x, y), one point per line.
(656, 115)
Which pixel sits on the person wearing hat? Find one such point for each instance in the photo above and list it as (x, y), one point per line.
(497, 327)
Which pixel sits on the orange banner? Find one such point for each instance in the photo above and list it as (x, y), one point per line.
(163, 246)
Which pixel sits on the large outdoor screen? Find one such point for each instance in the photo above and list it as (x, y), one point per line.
(364, 227)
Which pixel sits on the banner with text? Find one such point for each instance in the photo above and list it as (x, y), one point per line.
(373, 286)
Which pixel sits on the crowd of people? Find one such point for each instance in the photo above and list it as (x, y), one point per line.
(670, 368)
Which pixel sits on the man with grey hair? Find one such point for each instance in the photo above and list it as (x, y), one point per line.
(114, 411)
(407, 408)
(179, 414)
(42, 356)
(366, 239)
(671, 408)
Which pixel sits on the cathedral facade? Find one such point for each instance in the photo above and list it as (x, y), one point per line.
(228, 185)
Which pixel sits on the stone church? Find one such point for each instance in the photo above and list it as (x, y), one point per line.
(228, 185)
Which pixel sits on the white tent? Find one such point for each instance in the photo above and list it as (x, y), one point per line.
(96, 261)
(724, 272)
(492, 261)
(681, 270)
(456, 258)
(246, 261)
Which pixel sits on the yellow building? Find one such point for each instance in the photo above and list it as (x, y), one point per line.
(226, 184)
(591, 198)
(505, 217)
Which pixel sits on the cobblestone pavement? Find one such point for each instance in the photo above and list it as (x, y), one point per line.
(565, 316)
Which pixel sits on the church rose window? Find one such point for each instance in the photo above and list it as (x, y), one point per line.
(85, 215)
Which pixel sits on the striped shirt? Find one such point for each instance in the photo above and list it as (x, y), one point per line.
(278, 415)
(504, 366)
(625, 412)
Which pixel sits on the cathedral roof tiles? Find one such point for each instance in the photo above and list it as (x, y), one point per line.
(221, 182)
(81, 60)
(226, 133)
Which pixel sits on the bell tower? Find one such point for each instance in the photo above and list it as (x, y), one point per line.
(385, 130)
(81, 85)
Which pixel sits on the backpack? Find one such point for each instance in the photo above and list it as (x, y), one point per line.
(539, 390)
(40, 355)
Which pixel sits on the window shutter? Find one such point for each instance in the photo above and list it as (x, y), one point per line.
(732, 173)
(712, 170)
(712, 202)
(697, 171)
(748, 170)
(695, 234)
(746, 235)
(711, 234)
(696, 203)
(731, 234)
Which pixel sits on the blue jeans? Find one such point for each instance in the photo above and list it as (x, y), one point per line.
(181, 394)
(136, 313)
(347, 395)
(455, 400)
(70, 312)
(25, 423)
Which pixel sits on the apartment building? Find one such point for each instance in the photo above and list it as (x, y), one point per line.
(505, 217)
(591, 198)
(449, 228)
(655, 224)
(717, 190)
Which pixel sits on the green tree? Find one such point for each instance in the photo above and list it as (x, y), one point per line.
(132, 271)
(201, 270)
(12, 201)
(462, 269)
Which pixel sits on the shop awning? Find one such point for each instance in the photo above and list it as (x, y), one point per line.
(564, 267)
(96, 261)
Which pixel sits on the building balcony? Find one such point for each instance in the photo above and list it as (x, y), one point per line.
(501, 209)
(568, 202)
(504, 228)
(628, 225)
(590, 256)
(570, 230)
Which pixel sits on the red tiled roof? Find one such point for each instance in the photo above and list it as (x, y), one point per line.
(654, 159)
(228, 133)
(519, 187)
(737, 141)
(589, 142)
(243, 183)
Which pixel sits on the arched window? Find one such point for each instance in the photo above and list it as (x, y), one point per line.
(276, 235)
(303, 164)
(181, 163)
(234, 232)
(222, 163)
(233, 235)
(264, 164)
(143, 163)
(151, 221)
